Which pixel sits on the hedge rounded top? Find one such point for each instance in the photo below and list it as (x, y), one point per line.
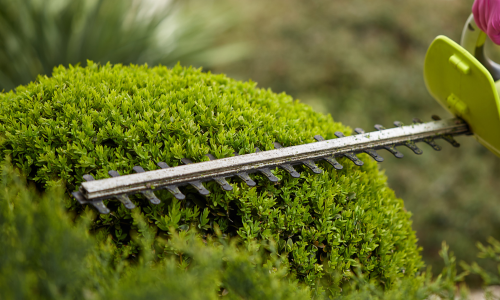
(89, 120)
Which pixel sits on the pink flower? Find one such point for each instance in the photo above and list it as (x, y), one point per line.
(487, 17)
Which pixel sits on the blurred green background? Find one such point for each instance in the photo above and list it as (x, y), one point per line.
(360, 61)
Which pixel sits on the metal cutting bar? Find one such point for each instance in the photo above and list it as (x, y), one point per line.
(250, 163)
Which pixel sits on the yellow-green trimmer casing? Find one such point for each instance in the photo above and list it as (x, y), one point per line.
(463, 86)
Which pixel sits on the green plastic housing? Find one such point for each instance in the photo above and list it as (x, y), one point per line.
(463, 86)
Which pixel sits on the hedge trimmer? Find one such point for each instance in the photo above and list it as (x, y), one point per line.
(460, 78)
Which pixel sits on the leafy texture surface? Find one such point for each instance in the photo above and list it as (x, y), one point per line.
(46, 255)
(100, 118)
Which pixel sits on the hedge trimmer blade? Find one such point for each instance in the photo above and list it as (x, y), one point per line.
(462, 84)
(195, 174)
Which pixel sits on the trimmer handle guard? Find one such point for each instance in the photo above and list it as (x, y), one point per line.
(464, 87)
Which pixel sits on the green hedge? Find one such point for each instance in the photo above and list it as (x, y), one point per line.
(99, 118)
(46, 255)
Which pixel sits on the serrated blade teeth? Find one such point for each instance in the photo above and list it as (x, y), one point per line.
(199, 187)
(394, 151)
(432, 143)
(87, 177)
(138, 169)
(308, 163)
(450, 140)
(220, 180)
(124, 199)
(186, 161)
(379, 127)
(359, 130)
(413, 147)
(391, 148)
(311, 165)
(332, 161)
(101, 208)
(410, 144)
(329, 159)
(398, 124)
(268, 174)
(339, 134)
(162, 165)
(223, 183)
(287, 167)
(319, 138)
(113, 173)
(196, 184)
(354, 159)
(351, 155)
(173, 189)
(370, 152)
(374, 155)
(99, 205)
(244, 176)
(148, 194)
(93, 192)
(151, 197)
(290, 170)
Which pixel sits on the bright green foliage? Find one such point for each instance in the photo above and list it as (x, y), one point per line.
(45, 256)
(99, 118)
(40, 248)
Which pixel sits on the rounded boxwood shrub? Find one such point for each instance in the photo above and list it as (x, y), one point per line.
(89, 120)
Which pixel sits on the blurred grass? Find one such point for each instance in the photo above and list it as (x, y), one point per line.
(362, 62)
(37, 35)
